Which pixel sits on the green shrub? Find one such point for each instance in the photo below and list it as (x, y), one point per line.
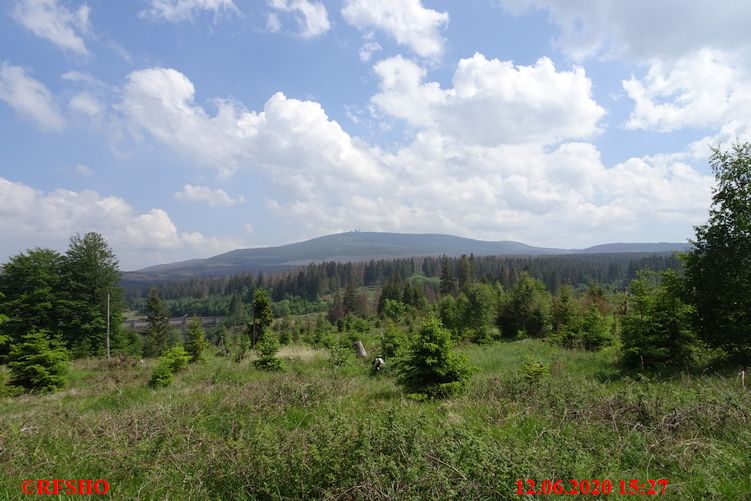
(431, 368)
(341, 355)
(533, 372)
(173, 360)
(38, 363)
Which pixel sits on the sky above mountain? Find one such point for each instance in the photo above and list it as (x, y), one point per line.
(186, 128)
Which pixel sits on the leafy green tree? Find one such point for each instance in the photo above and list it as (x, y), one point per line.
(268, 346)
(158, 318)
(91, 273)
(431, 367)
(657, 328)
(195, 342)
(262, 315)
(718, 267)
(38, 363)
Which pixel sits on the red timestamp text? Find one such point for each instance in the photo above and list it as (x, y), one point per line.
(593, 487)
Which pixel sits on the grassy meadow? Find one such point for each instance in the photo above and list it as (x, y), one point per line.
(224, 430)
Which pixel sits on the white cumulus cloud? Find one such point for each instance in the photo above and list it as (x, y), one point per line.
(29, 97)
(406, 21)
(49, 219)
(708, 88)
(311, 17)
(60, 25)
(495, 156)
(492, 101)
(212, 196)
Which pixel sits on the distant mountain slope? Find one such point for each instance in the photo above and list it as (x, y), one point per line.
(362, 246)
(656, 247)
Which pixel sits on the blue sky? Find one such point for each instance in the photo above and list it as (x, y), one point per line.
(186, 128)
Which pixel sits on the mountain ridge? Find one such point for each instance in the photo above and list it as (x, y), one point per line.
(363, 246)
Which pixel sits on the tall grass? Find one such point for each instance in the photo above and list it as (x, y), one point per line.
(225, 430)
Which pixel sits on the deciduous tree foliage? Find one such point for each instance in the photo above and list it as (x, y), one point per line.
(718, 268)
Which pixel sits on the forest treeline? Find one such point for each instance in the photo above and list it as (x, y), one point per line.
(316, 280)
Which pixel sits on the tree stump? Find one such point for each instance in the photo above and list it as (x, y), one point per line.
(360, 349)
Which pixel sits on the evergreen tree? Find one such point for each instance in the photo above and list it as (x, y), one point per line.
(594, 333)
(657, 329)
(351, 299)
(481, 307)
(336, 311)
(3, 320)
(172, 361)
(466, 272)
(448, 282)
(262, 315)
(391, 291)
(92, 273)
(157, 316)
(431, 368)
(236, 313)
(526, 310)
(268, 346)
(38, 363)
(718, 267)
(35, 298)
(195, 342)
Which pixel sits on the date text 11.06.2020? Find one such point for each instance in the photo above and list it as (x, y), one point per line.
(594, 487)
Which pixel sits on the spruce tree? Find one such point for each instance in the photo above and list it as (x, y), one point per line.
(262, 315)
(718, 267)
(91, 273)
(38, 363)
(195, 342)
(431, 368)
(158, 319)
(268, 346)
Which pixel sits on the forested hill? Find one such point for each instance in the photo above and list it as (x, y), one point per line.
(363, 246)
